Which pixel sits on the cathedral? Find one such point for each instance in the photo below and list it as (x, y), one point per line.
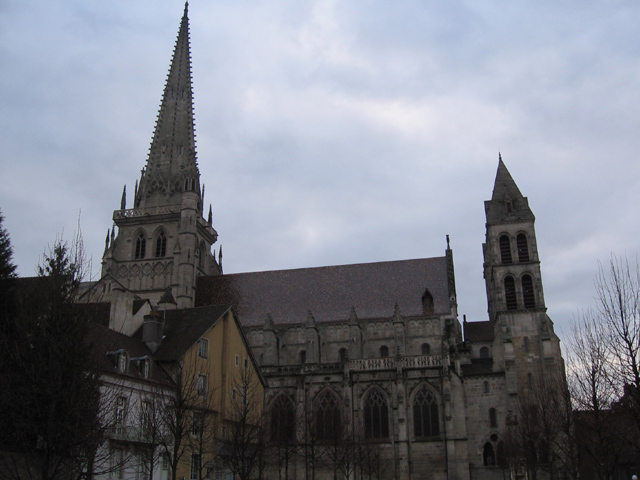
(375, 351)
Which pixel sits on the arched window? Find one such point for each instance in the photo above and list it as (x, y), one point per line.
(303, 357)
(161, 245)
(427, 303)
(505, 249)
(510, 293)
(426, 349)
(484, 352)
(327, 417)
(376, 416)
(426, 422)
(488, 456)
(384, 351)
(523, 248)
(282, 420)
(141, 246)
(343, 355)
(493, 419)
(528, 295)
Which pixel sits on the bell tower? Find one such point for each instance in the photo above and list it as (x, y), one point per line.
(525, 344)
(163, 240)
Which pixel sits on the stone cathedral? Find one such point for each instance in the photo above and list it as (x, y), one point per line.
(376, 350)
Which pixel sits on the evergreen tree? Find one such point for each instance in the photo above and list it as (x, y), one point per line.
(7, 268)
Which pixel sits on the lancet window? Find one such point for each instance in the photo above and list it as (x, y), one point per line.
(161, 245)
(282, 420)
(327, 417)
(141, 246)
(505, 249)
(523, 248)
(426, 422)
(528, 294)
(376, 416)
(510, 293)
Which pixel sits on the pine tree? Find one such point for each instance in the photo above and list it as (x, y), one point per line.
(7, 268)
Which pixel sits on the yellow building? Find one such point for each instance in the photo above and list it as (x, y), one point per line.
(217, 408)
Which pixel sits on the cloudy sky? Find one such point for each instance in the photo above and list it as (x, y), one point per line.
(334, 132)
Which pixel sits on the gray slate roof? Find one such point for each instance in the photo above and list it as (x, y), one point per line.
(372, 289)
(478, 331)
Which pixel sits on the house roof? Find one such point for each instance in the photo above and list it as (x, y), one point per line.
(184, 327)
(373, 289)
(106, 343)
(478, 331)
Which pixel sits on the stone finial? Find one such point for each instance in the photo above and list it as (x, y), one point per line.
(123, 200)
(210, 219)
(113, 234)
(268, 323)
(106, 242)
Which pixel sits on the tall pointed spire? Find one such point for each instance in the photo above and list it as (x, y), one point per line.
(507, 204)
(171, 166)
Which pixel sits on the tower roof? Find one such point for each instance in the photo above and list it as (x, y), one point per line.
(171, 165)
(507, 204)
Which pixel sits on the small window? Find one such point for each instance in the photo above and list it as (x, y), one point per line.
(117, 463)
(237, 360)
(510, 293)
(121, 410)
(195, 466)
(201, 386)
(122, 361)
(526, 344)
(493, 420)
(485, 387)
(197, 423)
(505, 249)
(141, 246)
(484, 352)
(145, 414)
(303, 357)
(161, 245)
(530, 381)
(203, 347)
(234, 395)
(384, 351)
(425, 349)
(523, 248)
(246, 363)
(343, 355)
(144, 367)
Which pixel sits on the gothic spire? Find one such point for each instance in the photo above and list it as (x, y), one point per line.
(507, 204)
(171, 165)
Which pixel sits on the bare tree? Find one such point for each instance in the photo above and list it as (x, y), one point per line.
(242, 440)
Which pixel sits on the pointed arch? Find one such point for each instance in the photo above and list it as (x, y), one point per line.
(376, 415)
(505, 249)
(427, 303)
(426, 418)
(327, 416)
(141, 245)
(161, 244)
(282, 419)
(488, 455)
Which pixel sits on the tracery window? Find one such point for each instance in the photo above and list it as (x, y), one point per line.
(505, 249)
(523, 248)
(141, 246)
(426, 422)
(161, 245)
(376, 416)
(528, 295)
(510, 293)
(327, 417)
(282, 421)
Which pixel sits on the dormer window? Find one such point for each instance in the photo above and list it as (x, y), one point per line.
(121, 361)
(144, 367)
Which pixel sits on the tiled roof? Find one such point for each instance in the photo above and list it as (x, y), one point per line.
(372, 289)
(184, 327)
(478, 331)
